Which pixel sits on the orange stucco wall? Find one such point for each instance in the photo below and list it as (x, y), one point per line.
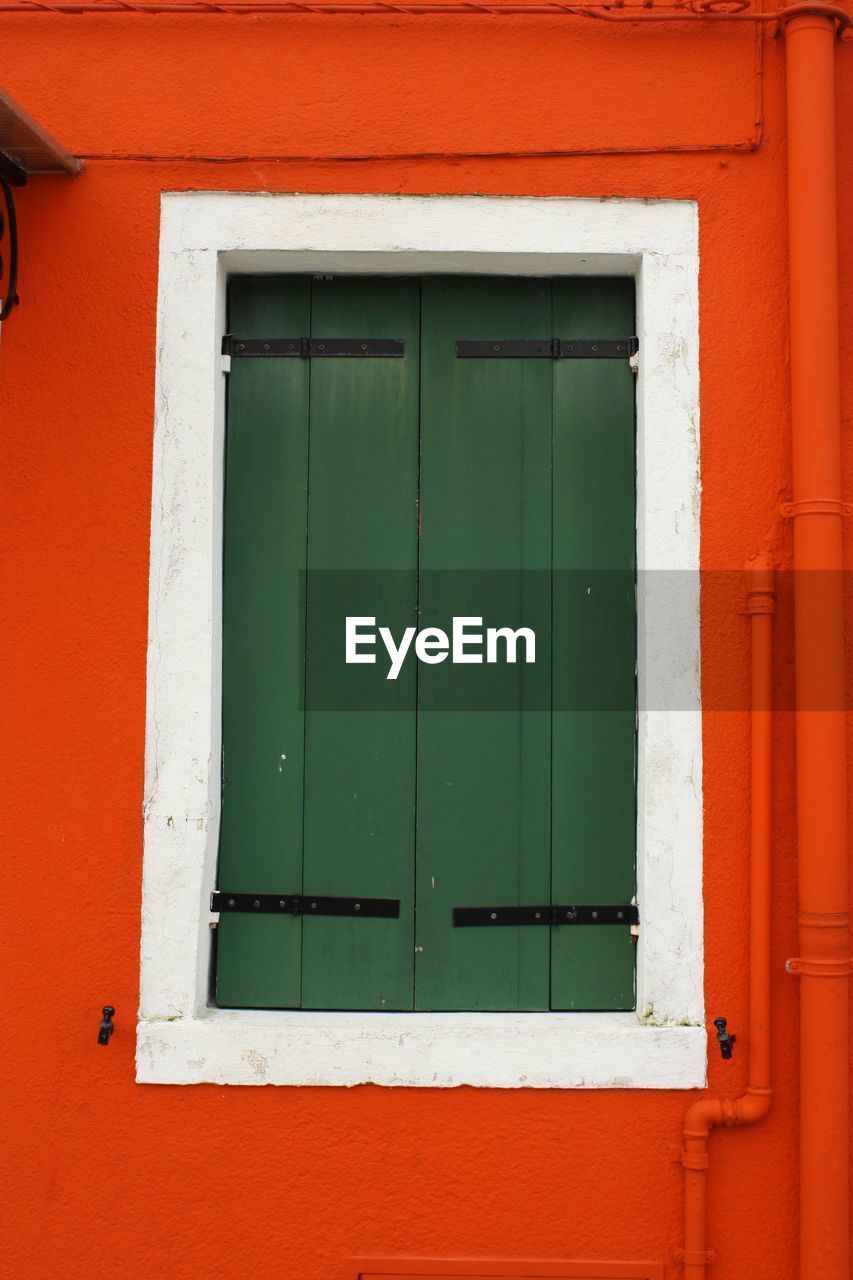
(110, 1178)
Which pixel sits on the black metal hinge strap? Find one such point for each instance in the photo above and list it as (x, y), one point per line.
(508, 348)
(302, 904)
(547, 348)
(546, 915)
(312, 348)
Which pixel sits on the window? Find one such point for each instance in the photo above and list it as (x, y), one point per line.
(209, 238)
(414, 490)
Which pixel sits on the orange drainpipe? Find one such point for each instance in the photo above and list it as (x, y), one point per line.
(754, 1104)
(817, 510)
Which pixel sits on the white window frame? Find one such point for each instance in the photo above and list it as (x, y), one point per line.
(205, 237)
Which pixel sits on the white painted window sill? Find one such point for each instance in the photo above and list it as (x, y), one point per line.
(430, 1050)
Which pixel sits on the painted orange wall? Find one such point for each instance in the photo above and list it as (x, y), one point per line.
(106, 1177)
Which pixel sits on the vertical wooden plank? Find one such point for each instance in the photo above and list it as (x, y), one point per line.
(362, 557)
(258, 957)
(483, 771)
(594, 647)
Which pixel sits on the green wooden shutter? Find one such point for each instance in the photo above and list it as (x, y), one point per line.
(266, 484)
(484, 775)
(360, 765)
(593, 804)
(414, 490)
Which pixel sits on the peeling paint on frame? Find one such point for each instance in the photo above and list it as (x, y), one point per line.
(204, 237)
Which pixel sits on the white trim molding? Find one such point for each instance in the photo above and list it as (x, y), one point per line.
(207, 236)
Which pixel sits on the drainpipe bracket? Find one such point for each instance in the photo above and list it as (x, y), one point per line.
(816, 507)
(816, 9)
(819, 968)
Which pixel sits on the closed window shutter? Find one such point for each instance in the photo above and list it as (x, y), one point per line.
(414, 489)
(362, 531)
(266, 486)
(593, 803)
(484, 775)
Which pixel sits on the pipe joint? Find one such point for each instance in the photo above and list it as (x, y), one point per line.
(824, 920)
(695, 1257)
(824, 945)
(729, 1112)
(760, 582)
(701, 1118)
(752, 1106)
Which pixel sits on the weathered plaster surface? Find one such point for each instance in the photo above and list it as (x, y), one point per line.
(203, 238)
(503, 1051)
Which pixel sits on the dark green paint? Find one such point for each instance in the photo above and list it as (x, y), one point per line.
(266, 480)
(483, 775)
(360, 765)
(516, 467)
(594, 647)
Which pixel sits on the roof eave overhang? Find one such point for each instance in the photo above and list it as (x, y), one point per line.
(26, 148)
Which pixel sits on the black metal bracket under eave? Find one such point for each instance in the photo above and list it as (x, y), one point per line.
(12, 171)
(312, 348)
(302, 904)
(547, 348)
(546, 915)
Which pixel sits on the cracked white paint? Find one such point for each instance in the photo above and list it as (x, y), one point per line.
(204, 237)
(504, 1051)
